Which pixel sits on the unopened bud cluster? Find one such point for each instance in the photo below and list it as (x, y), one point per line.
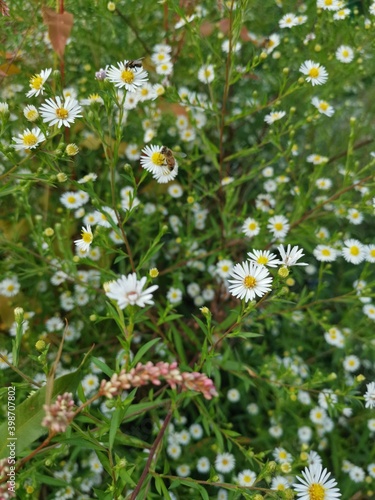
(151, 373)
(59, 414)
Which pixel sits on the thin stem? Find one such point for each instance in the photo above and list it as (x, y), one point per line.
(157, 441)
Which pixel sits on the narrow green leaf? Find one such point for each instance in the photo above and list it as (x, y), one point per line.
(143, 351)
(105, 368)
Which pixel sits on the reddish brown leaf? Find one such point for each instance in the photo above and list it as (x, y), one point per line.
(59, 28)
(4, 9)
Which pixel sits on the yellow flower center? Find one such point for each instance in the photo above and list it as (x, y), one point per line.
(354, 250)
(278, 226)
(262, 259)
(36, 82)
(316, 492)
(87, 237)
(247, 479)
(252, 226)
(10, 288)
(323, 106)
(249, 282)
(225, 461)
(314, 72)
(30, 140)
(345, 53)
(158, 159)
(62, 113)
(372, 252)
(127, 76)
(326, 252)
(328, 2)
(71, 199)
(32, 115)
(207, 73)
(280, 487)
(225, 268)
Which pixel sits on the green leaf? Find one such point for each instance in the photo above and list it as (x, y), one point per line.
(244, 335)
(30, 413)
(52, 481)
(116, 419)
(105, 368)
(143, 351)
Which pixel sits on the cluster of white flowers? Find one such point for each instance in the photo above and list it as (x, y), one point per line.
(252, 279)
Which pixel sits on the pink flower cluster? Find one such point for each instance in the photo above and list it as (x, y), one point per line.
(151, 373)
(59, 414)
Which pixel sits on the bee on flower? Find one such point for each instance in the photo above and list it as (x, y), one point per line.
(128, 75)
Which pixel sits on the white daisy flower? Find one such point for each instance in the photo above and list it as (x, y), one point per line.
(71, 200)
(250, 227)
(147, 92)
(126, 76)
(353, 251)
(9, 287)
(225, 462)
(288, 21)
(174, 295)
(290, 256)
(101, 217)
(279, 226)
(279, 483)
(315, 73)
(160, 57)
(323, 183)
(164, 68)
(55, 112)
(316, 485)
(29, 139)
(274, 116)
(369, 395)
(250, 280)
(246, 478)
(345, 54)
(316, 159)
(31, 113)
(329, 4)
(224, 268)
(175, 190)
(206, 73)
(92, 99)
(86, 240)
(203, 465)
(325, 253)
(196, 431)
(351, 363)
(341, 14)
(370, 253)
(334, 337)
(37, 82)
(323, 106)
(263, 258)
(272, 42)
(183, 470)
(354, 216)
(128, 290)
